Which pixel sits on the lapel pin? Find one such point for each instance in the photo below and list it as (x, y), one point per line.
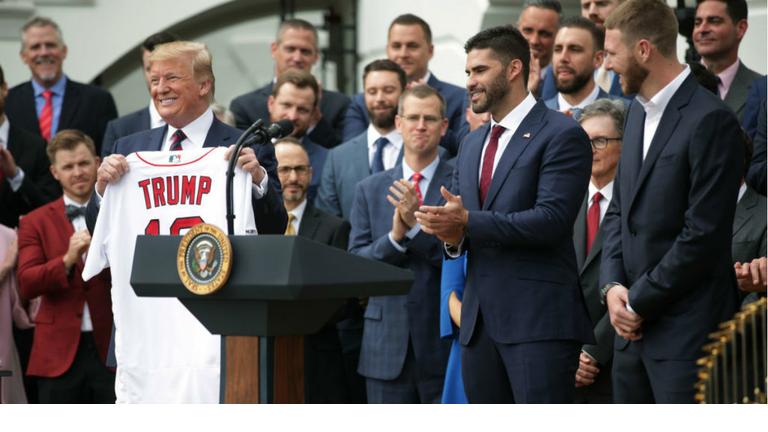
(527, 135)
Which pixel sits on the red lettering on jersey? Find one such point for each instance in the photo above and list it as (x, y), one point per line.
(173, 190)
(143, 184)
(203, 188)
(157, 190)
(188, 189)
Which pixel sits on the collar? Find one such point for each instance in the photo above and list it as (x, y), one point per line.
(428, 173)
(427, 77)
(57, 89)
(564, 105)
(543, 72)
(155, 121)
(298, 212)
(660, 100)
(727, 76)
(512, 121)
(393, 136)
(5, 127)
(68, 201)
(606, 191)
(742, 191)
(196, 131)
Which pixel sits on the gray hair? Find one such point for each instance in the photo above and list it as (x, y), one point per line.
(39, 21)
(545, 4)
(295, 23)
(613, 108)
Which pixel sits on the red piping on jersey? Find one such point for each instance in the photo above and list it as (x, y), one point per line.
(170, 165)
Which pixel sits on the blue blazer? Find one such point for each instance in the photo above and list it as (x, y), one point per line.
(388, 323)
(521, 265)
(667, 232)
(269, 211)
(317, 156)
(453, 280)
(757, 94)
(456, 99)
(129, 124)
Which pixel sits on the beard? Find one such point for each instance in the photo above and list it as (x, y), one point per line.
(578, 83)
(290, 197)
(494, 92)
(382, 121)
(633, 78)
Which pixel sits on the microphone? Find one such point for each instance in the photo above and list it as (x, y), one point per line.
(280, 129)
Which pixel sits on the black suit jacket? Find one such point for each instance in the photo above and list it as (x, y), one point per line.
(328, 133)
(38, 187)
(86, 108)
(129, 124)
(669, 225)
(323, 357)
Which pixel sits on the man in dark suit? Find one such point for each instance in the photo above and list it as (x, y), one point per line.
(403, 357)
(74, 320)
(538, 23)
(25, 178)
(409, 44)
(666, 266)
(184, 104)
(295, 97)
(604, 122)
(577, 53)
(51, 102)
(324, 360)
(296, 48)
(145, 118)
(523, 318)
(757, 94)
(718, 29)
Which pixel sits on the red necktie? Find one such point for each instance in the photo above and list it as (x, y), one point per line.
(490, 154)
(46, 116)
(178, 137)
(416, 179)
(593, 220)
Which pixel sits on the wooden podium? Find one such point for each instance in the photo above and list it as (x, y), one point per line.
(280, 288)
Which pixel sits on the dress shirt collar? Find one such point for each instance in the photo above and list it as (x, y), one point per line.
(543, 72)
(393, 136)
(298, 214)
(196, 131)
(428, 173)
(57, 89)
(658, 103)
(742, 191)
(427, 77)
(512, 121)
(564, 105)
(726, 78)
(155, 121)
(5, 127)
(606, 191)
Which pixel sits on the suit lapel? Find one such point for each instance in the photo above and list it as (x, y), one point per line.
(597, 246)
(743, 213)
(580, 234)
(632, 150)
(524, 135)
(739, 90)
(442, 177)
(218, 135)
(360, 163)
(26, 101)
(471, 166)
(309, 222)
(63, 226)
(72, 99)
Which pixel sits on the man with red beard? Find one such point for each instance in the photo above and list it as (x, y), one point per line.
(666, 274)
(577, 53)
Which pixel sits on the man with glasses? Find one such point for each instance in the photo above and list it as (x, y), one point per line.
(603, 121)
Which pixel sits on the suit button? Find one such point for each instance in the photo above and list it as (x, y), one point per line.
(405, 306)
(79, 315)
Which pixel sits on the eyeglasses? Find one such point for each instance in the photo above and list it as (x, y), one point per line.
(285, 171)
(428, 119)
(600, 143)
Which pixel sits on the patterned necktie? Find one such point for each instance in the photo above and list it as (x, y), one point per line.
(178, 137)
(73, 211)
(593, 220)
(490, 154)
(46, 116)
(378, 158)
(416, 178)
(576, 113)
(289, 229)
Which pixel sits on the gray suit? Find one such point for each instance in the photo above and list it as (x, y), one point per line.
(739, 90)
(589, 277)
(749, 231)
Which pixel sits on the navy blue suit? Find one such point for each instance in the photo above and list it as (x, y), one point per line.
(317, 156)
(667, 237)
(456, 98)
(757, 170)
(757, 94)
(128, 124)
(392, 323)
(522, 286)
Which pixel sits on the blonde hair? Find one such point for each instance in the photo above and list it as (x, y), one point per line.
(197, 53)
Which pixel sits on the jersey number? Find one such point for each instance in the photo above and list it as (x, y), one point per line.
(153, 228)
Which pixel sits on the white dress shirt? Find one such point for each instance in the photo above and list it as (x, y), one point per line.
(606, 192)
(196, 131)
(5, 127)
(742, 191)
(427, 174)
(78, 224)
(655, 107)
(564, 105)
(391, 150)
(511, 122)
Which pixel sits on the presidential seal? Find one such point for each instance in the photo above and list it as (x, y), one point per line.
(204, 259)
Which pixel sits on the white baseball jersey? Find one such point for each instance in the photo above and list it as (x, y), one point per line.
(164, 354)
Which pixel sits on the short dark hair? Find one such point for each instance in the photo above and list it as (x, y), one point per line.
(553, 5)
(299, 78)
(506, 44)
(411, 19)
(748, 149)
(386, 65)
(704, 76)
(295, 23)
(68, 139)
(422, 92)
(151, 42)
(2, 76)
(598, 36)
(736, 9)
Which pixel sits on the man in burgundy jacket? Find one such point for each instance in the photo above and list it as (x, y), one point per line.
(75, 318)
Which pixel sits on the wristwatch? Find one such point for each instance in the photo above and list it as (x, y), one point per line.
(604, 291)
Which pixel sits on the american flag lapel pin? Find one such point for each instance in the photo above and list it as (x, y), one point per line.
(527, 135)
